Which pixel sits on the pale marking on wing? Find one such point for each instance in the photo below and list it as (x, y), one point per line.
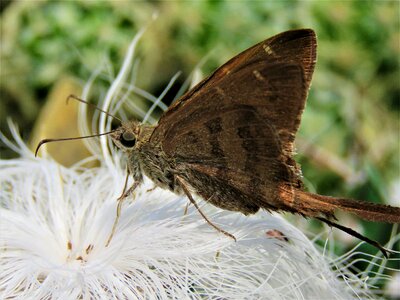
(258, 75)
(268, 49)
(220, 91)
(225, 70)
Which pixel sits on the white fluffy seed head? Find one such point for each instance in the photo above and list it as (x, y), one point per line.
(55, 222)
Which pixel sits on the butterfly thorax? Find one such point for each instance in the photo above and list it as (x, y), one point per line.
(152, 160)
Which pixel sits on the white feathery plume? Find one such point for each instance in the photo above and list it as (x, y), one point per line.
(55, 222)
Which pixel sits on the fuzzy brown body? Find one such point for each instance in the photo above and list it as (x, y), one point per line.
(146, 157)
(230, 139)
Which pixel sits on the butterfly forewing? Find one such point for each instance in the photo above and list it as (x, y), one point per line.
(295, 46)
(231, 137)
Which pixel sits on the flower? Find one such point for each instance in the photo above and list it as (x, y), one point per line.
(55, 223)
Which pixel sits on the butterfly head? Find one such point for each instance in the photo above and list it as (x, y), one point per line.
(125, 137)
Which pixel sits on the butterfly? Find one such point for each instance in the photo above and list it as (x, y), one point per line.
(230, 139)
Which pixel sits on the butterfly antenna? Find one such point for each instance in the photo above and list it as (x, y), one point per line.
(45, 141)
(92, 105)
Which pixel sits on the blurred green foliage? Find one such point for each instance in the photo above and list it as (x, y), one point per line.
(354, 103)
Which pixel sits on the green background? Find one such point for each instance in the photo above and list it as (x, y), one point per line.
(348, 143)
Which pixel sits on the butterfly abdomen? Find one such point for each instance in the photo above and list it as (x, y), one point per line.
(314, 205)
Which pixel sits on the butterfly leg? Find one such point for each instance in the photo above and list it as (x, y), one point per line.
(152, 189)
(186, 209)
(357, 235)
(183, 185)
(125, 193)
(125, 185)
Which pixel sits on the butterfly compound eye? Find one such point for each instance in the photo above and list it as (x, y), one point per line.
(128, 139)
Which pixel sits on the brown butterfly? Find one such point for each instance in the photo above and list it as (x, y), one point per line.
(230, 139)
